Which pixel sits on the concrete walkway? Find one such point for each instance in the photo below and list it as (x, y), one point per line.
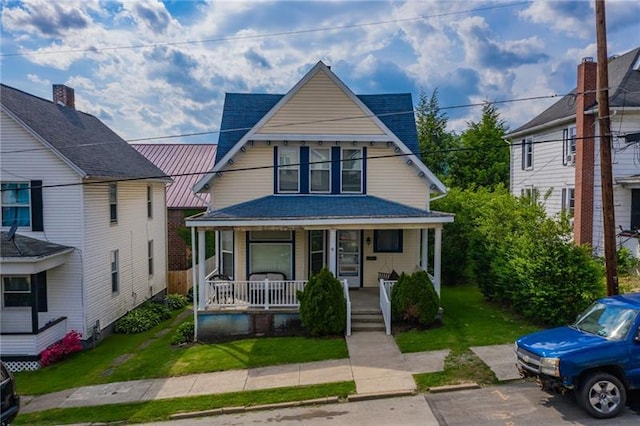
(375, 364)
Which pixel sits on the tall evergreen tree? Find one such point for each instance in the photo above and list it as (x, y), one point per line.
(483, 160)
(435, 142)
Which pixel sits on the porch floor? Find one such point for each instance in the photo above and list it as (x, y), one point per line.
(365, 300)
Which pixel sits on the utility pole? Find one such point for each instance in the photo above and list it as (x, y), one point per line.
(608, 216)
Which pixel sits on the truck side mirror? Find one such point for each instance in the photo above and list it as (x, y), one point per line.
(636, 338)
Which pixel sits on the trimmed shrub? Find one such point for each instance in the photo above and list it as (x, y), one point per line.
(323, 308)
(69, 344)
(142, 318)
(414, 299)
(176, 301)
(183, 334)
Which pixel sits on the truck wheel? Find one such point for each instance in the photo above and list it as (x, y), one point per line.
(603, 395)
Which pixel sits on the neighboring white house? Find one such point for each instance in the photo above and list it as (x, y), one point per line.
(557, 153)
(83, 224)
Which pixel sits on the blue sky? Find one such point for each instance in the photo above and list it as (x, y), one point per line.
(192, 52)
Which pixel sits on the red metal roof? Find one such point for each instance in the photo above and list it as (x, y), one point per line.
(186, 164)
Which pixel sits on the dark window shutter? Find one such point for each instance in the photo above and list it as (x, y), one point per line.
(42, 291)
(336, 167)
(635, 209)
(304, 170)
(364, 170)
(564, 199)
(37, 217)
(524, 153)
(275, 169)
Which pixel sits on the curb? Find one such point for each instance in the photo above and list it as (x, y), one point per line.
(293, 404)
(452, 388)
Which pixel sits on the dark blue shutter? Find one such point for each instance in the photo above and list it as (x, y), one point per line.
(37, 217)
(635, 209)
(364, 170)
(304, 170)
(335, 170)
(524, 153)
(275, 169)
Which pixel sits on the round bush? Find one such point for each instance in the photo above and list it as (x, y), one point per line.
(183, 334)
(323, 308)
(414, 299)
(142, 318)
(176, 301)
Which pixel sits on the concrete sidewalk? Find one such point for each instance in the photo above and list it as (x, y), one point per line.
(375, 364)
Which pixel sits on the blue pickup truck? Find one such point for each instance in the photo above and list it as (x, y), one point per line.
(598, 356)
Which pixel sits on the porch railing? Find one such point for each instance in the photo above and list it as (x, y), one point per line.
(385, 302)
(345, 286)
(256, 294)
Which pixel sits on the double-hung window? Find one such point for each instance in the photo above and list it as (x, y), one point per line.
(150, 256)
(226, 247)
(113, 203)
(149, 201)
(568, 200)
(351, 170)
(16, 204)
(317, 251)
(16, 291)
(320, 169)
(288, 169)
(527, 154)
(569, 146)
(115, 271)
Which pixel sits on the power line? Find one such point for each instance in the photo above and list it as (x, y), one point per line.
(355, 117)
(273, 166)
(258, 36)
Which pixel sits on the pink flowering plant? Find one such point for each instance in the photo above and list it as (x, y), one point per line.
(69, 344)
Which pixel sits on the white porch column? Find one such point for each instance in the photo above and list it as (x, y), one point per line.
(332, 252)
(424, 262)
(437, 258)
(201, 269)
(194, 281)
(218, 257)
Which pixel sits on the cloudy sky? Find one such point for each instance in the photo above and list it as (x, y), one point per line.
(152, 68)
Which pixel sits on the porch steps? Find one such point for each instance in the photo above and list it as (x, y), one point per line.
(367, 320)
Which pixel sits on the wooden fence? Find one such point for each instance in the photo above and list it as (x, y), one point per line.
(181, 281)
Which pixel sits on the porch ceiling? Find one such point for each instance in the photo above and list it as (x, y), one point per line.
(320, 211)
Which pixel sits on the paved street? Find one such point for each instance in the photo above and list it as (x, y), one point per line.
(513, 404)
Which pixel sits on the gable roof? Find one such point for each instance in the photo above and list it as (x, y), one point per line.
(624, 78)
(393, 113)
(80, 139)
(185, 163)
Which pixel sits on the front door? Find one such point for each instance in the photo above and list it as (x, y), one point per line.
(349, 256)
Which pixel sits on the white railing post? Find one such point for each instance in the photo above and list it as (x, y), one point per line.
(201, 268)
(385, 304)
(266, 294)
(345, 286)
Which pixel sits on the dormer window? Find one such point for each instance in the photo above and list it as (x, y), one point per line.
(288, 169)
(351, 170)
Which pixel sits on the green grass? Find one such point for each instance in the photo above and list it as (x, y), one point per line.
(160, 359)
(467, 321)
(161, 409)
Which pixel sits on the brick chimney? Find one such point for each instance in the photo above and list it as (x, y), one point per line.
(585, 152)
(63, 95)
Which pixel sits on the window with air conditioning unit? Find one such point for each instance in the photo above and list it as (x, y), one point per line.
(569, 146)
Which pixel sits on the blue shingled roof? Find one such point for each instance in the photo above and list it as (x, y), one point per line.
(311, 207)
(243, 111)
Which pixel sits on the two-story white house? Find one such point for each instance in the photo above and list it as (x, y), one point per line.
(83, 224)
(318, 177)
(557, 153)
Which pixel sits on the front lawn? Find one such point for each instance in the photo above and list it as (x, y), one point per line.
(468, 320)
(122, 357)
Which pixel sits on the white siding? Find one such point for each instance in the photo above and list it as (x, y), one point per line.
(129, 236)
(24, 159)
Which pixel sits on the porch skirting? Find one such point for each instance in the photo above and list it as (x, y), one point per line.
(228, 324)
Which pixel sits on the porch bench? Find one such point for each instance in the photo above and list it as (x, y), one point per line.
(276, 289)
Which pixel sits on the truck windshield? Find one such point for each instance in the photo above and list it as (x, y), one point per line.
(610, 322)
